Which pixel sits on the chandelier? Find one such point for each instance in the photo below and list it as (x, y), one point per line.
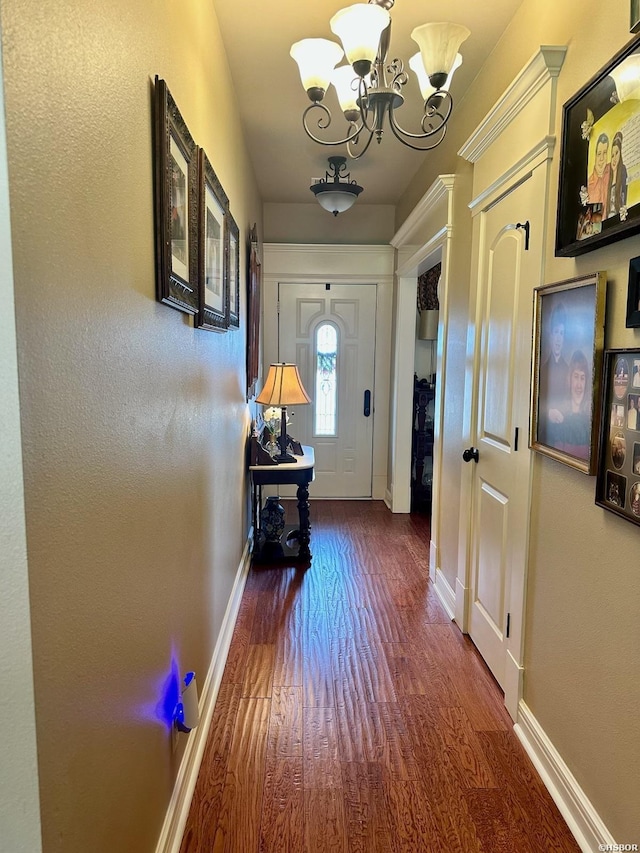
(337, 192)
(370, 88)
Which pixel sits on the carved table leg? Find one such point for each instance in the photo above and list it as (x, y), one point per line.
(304, 553)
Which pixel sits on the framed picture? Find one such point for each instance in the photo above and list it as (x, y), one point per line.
(568, 338)
(634, 19)
(213, 304)
(233, 255)
(254, 271)
(618, 480)
(599, 188)
(633, 295)
(176, 205)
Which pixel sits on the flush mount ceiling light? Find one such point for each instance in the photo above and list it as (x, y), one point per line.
(336, 194)
(369, 88)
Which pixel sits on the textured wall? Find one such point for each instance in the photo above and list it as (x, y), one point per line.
(133, 422)
(19, 801)
(582, 670)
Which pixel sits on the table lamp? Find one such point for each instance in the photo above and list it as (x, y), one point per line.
(283, 387)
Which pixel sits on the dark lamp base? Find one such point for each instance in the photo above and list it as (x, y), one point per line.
(284, 457)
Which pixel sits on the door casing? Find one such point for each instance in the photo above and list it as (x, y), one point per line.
(338, 264)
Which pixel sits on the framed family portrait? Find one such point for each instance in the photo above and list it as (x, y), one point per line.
(233, 255)
(568, 339)
(176, 205)
(599, 187)
(618, 479)
(213, 306)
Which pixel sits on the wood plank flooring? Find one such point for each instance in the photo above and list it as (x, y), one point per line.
(354, 717)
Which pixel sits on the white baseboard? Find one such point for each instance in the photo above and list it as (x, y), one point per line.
(178, 810)
(445, 594)
(433, 559)
(513, 685)
(582, 819)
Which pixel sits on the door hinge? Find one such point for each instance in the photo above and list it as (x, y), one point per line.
(515, 440)
(508, 625)
(278, 307)
(525, 227)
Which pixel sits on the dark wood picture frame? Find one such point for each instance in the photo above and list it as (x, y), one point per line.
(618, 477)
(176, 205)
(254, 296)
(633, 295)
(568, 339)
(213, 284)
(599, 204)
(233, 267)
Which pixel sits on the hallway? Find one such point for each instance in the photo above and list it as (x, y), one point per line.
(354, 716)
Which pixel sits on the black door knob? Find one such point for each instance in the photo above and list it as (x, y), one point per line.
(471, 453)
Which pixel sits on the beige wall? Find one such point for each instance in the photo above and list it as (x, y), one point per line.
(310, 223)
(19, 800)
(582, 673)
(133, 422)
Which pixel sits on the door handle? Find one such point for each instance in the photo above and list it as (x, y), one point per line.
(367, 403)
(471, 453)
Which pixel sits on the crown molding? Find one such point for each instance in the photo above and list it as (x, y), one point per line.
(544, 66)
(442, 185)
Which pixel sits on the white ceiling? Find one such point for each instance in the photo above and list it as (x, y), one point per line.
(271, 100)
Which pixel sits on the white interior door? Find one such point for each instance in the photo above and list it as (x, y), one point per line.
(329, 332)
(509, 264)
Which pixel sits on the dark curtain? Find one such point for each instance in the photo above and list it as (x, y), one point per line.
(428, 289)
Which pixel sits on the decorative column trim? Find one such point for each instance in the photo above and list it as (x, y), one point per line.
(514, 175)
(442, 185)
(544, 66)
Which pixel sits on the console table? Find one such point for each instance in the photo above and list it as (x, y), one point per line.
(298, 473)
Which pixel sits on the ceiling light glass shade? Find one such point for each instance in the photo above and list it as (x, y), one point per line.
(337, 199)
(439, 44)
(336, 194)
(359, 28)
(627, 77)
(316, 60)
(416, 64)
(343, 79)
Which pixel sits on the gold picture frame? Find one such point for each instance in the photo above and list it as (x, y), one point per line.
(568, 339)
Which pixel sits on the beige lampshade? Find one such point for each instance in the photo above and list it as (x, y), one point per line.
(428, 328)
(283, 387)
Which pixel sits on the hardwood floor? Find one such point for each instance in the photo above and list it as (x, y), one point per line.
(354, 717)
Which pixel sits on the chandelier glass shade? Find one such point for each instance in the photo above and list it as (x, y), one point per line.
(370, 87)
(336, 194)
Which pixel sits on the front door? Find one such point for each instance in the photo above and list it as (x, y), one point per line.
(328, 330)
(509, 269)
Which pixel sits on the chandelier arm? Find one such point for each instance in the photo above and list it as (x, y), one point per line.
(363, 104)
(352, 135)
(404, 135)
(367, 144)
(430, 113)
